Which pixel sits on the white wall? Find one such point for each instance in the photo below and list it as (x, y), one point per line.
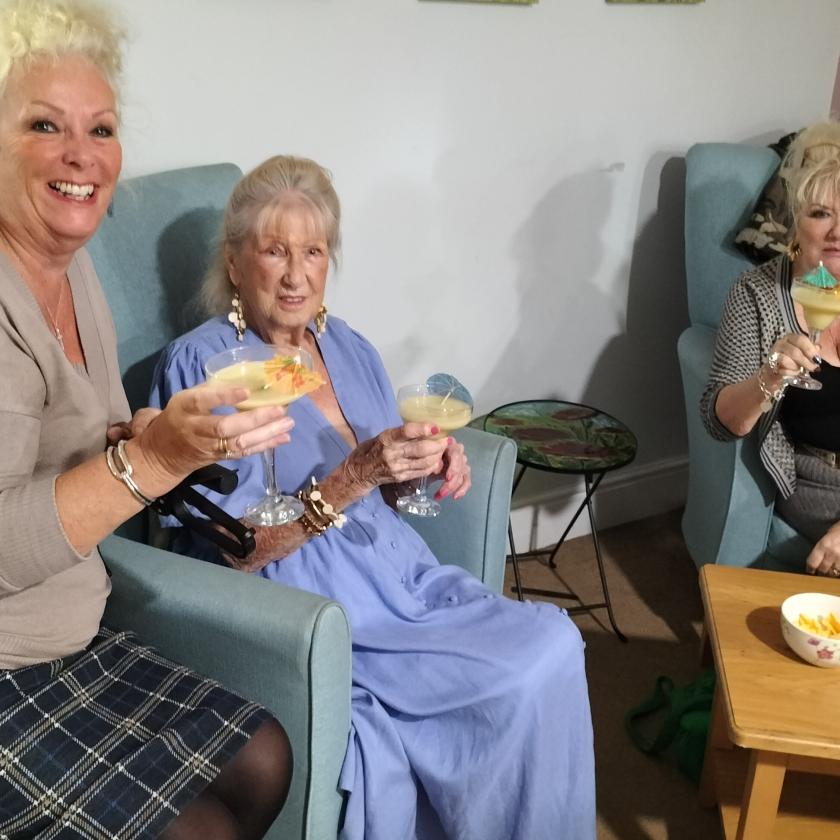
(511, 176)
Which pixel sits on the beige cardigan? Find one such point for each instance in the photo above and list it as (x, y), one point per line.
(52, 417)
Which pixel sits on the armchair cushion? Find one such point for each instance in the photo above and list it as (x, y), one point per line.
(472, 531)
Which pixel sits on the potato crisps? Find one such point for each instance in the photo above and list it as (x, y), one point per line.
(826, 626)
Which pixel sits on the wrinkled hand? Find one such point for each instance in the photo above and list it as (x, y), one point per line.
(824, 558)
(186, 435)
(134, 428)
(396, 455)
(795, 352)
(455, 472)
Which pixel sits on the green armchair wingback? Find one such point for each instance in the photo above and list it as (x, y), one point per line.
(728, 515)
(288, 649)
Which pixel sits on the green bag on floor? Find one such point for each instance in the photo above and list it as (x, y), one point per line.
(687, 719)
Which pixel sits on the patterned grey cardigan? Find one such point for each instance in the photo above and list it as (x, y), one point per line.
(758, 311)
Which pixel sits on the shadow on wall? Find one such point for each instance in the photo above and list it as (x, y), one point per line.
(636, 376)
(558, 250)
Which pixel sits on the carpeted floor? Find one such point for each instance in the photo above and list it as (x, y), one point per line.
(655, 596)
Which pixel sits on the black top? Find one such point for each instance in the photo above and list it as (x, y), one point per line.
(813, 417)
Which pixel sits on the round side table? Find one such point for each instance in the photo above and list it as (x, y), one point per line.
(571, 439)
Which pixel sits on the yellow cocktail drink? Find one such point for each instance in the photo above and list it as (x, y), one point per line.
(278, 381)
(445, 412)
(821, 306)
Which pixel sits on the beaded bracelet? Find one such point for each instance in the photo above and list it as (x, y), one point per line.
(770, 397)
(120, 467)
(318, 515)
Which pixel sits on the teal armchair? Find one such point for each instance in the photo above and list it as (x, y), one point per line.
(290, 650)
(728, 515)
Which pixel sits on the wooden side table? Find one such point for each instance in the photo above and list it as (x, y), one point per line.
(773, 713)
(570, 438)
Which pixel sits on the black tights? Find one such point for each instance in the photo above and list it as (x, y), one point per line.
(244, 799)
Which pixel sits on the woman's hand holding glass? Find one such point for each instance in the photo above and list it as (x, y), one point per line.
(791, 355)
(186, 435)
(455, 473)
(396, 456)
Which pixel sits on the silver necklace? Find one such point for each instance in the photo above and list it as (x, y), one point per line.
(54, 320)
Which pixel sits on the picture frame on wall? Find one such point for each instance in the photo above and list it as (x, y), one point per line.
(506, 2)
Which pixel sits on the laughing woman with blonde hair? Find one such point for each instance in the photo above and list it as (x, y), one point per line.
(100, 737)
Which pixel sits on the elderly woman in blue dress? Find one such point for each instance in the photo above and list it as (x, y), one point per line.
(470, 714)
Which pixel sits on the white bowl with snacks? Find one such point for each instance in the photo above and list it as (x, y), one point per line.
(811, 627)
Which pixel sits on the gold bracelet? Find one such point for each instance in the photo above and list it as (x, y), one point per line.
(312, 528)
(770, 397)
(120, 467)
(318, 515)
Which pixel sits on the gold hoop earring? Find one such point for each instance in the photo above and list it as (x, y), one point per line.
(321, 320)
(793, 250)
(237, 316)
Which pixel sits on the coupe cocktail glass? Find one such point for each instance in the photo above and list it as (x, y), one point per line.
(819, 296)
(432, 402)
(275, 375)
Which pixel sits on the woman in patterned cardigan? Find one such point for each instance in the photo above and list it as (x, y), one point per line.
(763, 341)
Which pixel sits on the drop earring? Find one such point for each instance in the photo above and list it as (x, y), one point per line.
(793, 250)
(237, 316)
(321, 320)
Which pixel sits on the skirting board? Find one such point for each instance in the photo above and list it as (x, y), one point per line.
(626, 495)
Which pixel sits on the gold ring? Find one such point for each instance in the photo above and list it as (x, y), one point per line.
(223, 445)
(835, 572)
(230, 454)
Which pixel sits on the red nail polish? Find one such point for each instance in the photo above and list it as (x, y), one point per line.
(435, 430)
(450, 441)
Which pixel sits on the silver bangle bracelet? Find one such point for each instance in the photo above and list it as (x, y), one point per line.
(120, 467)
(770, 397)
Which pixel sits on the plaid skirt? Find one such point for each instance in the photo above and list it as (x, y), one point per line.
(111, 743)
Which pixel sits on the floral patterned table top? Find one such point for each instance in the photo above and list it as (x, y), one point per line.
(563, 436)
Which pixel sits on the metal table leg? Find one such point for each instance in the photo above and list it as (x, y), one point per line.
(591, 486)
(601, 570)
(513, 557)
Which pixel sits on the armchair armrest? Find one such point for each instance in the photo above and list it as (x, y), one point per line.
(284, 648)
(730, 499)
(472, 532)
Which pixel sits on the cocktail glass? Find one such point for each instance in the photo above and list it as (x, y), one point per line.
(432, 402)
(818, 293)
(275, 375)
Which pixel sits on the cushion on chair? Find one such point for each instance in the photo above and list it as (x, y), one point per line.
(723, 181)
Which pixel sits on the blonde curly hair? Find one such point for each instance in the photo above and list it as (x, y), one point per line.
(811, 167)
(30, 29)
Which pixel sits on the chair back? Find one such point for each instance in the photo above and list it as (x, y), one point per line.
(728, 517)
(151, 252)
(722, 183)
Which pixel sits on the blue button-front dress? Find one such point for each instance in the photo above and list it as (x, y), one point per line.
(470, 713)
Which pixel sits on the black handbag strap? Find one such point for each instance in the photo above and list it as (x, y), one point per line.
(229, 534)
